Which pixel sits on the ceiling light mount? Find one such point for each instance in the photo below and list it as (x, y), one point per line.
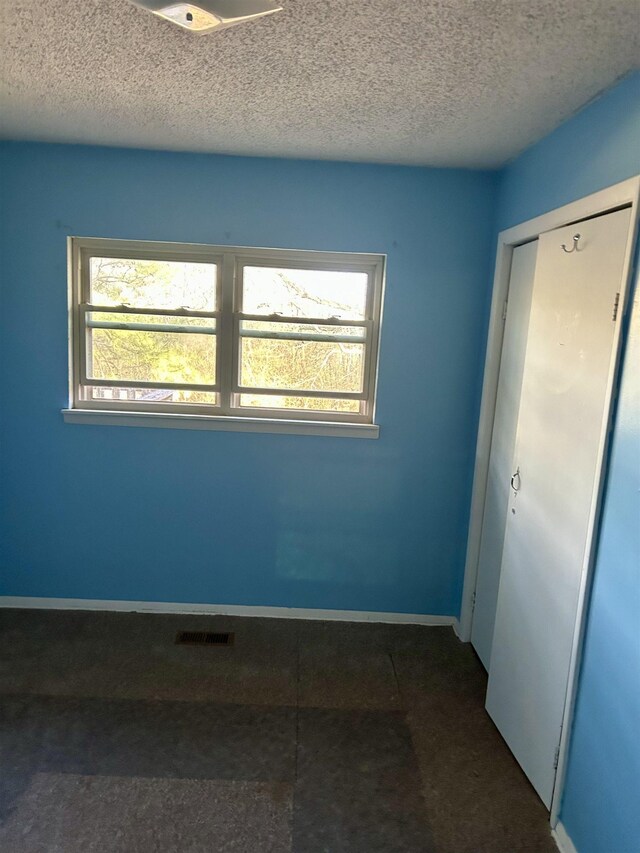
(208, 15)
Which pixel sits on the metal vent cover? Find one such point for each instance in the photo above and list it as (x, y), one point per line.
(205, 638)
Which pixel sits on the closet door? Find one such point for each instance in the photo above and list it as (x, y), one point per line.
(523, 267)
(561, 429)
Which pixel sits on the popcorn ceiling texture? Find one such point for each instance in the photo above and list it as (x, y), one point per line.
(433, 82)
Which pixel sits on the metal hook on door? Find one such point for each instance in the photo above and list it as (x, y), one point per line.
(576, 237)
(515, 488)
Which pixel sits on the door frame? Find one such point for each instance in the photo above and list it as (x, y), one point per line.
(625, 193)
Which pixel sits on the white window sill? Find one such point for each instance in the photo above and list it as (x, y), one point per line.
(219, 422)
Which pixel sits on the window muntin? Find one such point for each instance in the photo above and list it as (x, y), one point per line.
(221, 331)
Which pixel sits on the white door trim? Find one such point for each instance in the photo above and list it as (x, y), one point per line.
(563, 839)
(622, 194)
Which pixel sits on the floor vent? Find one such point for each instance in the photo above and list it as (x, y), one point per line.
(204, 638)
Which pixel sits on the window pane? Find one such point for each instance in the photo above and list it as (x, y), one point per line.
(355, 332)
(153, 284)
(152, 356)
(311, 404)
(304, 293)
(152, 395)
(304, 365)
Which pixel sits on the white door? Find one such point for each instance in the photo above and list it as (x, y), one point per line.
(514, 344)
(562, 423)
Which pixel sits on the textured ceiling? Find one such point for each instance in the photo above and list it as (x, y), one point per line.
(438, 82)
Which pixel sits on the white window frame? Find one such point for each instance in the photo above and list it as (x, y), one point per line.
(228, 316)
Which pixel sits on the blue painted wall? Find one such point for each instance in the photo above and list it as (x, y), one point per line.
(599, 147)
(173, 515)
(596, 148)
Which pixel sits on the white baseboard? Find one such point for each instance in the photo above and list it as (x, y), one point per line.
(562, 839)
(10, 601)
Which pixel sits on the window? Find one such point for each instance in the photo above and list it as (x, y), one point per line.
(179, 329)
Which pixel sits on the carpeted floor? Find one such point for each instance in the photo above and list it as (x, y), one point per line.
(302, 737)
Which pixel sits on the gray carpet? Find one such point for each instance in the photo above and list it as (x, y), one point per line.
(302, 737)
